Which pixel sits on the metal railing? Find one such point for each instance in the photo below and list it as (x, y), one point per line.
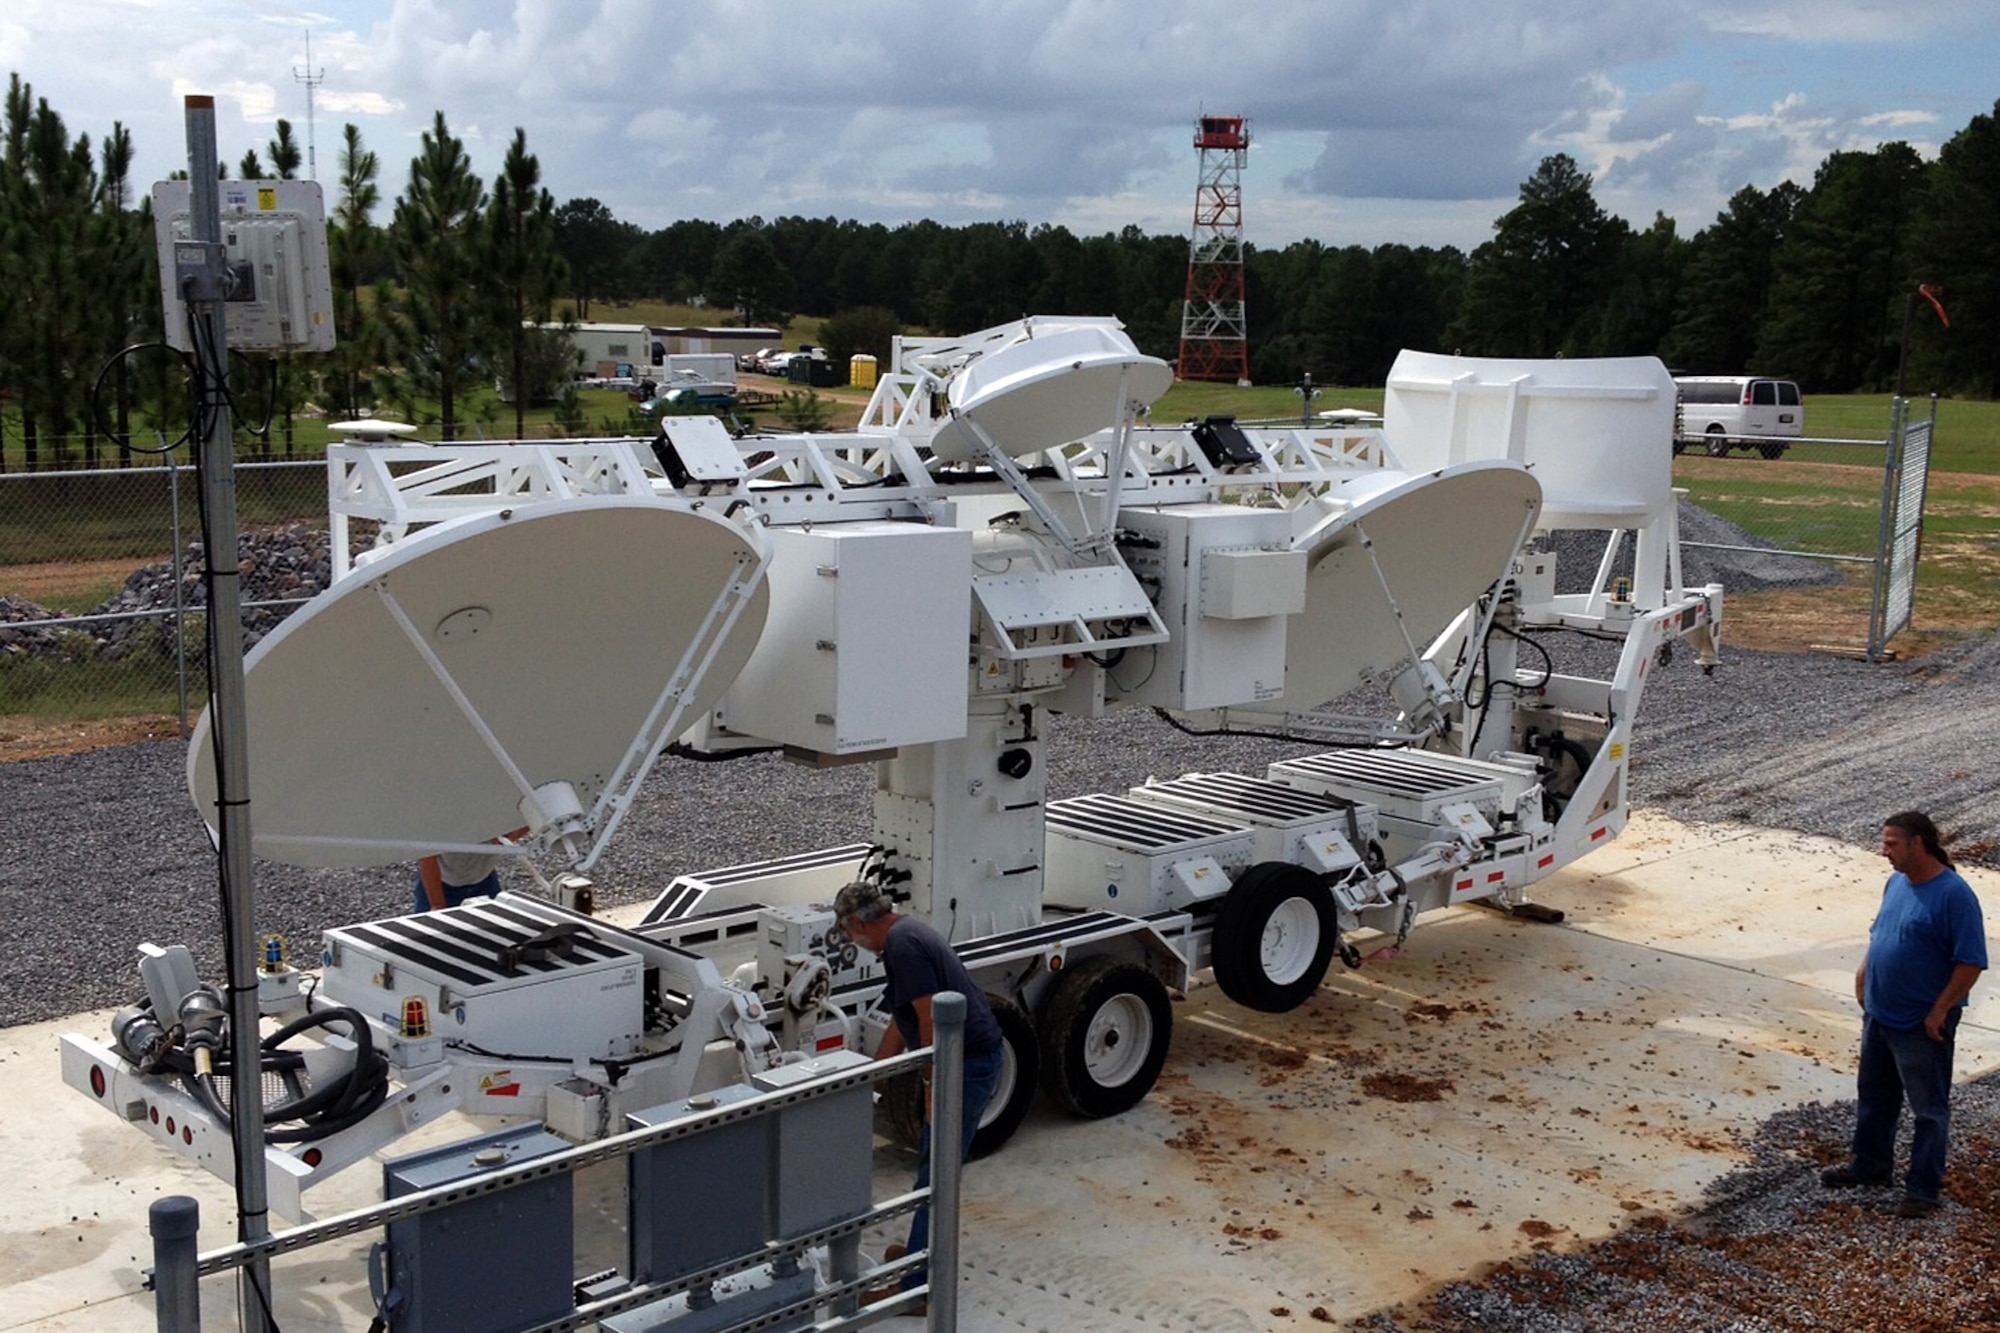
(178, 1268)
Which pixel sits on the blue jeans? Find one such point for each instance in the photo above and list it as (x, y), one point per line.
(982, 1076)
(1899, 1064)
(456, 894)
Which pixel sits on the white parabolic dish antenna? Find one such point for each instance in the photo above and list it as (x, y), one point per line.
(1437, 540)
(1047, 390)
(563, 625)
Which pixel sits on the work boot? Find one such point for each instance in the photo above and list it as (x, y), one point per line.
(1846, 1177)
(1912, 1206)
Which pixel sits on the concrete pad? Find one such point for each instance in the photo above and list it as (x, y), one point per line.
(1501, 1086)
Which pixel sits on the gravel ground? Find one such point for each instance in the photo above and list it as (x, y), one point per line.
(102, 850)
(1770, 1252)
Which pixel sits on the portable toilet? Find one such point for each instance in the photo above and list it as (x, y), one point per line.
(861, 370)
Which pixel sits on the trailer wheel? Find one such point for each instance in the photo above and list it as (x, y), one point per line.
(1274, 936)
(1105, 1030)
(902, 1105)
(1020, 1064)
(1717, 442)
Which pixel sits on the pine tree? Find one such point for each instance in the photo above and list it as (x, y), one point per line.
(525, 275)
(435, 234)
(354, 246)
(1955, 245)
(1836, 314)
(284, 153)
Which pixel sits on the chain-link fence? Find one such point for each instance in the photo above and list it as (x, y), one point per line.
(1816, 549)
(102, 607)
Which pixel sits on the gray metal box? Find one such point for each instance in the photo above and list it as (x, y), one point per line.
(825, 1147)
(700, 1200)
(494, 1262)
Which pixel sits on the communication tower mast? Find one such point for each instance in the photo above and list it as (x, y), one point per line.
(1214, 344)
(312, 79)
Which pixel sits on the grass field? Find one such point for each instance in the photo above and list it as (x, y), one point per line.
(69, 544)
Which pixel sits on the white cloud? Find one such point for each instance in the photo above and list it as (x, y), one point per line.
(1374, 119)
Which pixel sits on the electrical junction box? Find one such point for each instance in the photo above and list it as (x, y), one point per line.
(719, 1194)
(808, 928)
(274, 278)
(866, 643)
(495, 1261)
(1227, 581)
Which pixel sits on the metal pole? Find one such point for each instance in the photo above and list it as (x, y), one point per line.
(175, 1222)
(1885, 530)
(228, 718)
(947, 1139)
(180, 594)
(1903, 351)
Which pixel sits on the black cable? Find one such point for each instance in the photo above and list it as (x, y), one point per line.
(682, 750)
(124, 441)
(1250, 733)
(1486, 664)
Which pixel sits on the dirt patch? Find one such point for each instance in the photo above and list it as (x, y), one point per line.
(44, 583)
(1406, 1087)
(39, 738)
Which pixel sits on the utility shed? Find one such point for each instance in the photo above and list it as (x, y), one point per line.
(670, 341)
(610, 349)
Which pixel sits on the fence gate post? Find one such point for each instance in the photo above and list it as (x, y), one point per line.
(947, 1154)
(1885, 528)
(174, 1222)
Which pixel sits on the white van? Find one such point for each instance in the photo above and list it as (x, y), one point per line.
(1724, 412)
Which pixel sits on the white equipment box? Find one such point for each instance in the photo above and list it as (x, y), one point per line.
(1326, 834)
(1115, 853)
(506, 974)
(867, 641)
(279, 287)
(1408, 784)
(1228, 583)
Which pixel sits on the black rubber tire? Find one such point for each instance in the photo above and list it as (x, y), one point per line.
(1772, 451)
(1680, 446)
(899, 1114)
(1020, 1070)
(1274, 937)
(1716, 442)
(1105, 1029)
(901, 1110)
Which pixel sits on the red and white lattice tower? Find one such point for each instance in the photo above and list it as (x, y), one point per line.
(1214, 344)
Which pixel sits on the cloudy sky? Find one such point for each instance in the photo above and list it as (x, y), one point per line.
(1373, 120)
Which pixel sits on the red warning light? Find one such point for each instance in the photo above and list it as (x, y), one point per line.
(416, 1018)
(97, 1080)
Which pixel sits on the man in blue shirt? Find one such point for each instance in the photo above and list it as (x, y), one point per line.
(1925, 951)
(918, 963)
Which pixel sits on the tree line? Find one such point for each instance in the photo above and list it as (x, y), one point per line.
(1815, 282)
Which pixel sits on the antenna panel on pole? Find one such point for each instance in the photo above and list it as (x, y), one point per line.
(276, 282)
